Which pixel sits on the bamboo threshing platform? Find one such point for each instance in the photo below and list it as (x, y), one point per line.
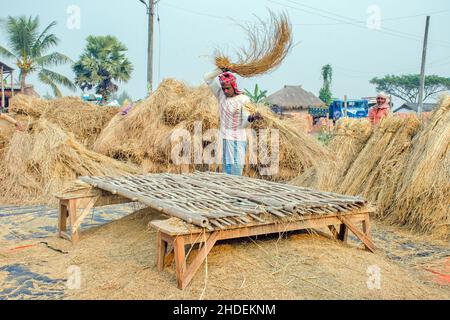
(208, 207)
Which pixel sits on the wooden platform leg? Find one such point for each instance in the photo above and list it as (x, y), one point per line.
(343, 233)
(161, 254)
(334, 232)
(366, 227)
(199, 258)
(73, 218)
(180, 263)
(370, 246)
(62, 218)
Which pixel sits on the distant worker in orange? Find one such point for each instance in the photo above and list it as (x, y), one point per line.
(380, 110)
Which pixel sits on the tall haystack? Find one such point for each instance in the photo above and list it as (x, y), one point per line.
(84, 120)
(423, 194)
(144, 134)
(45, 159)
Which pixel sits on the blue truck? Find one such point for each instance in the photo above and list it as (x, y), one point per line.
(355, 109)
(336, 110)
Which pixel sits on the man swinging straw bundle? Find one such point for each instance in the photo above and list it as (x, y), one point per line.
(268, 47)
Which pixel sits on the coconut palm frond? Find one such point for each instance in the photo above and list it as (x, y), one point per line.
(58, 78)
(7, 54)
(45, 79)
(22, 34)
(45, 40)
(53, 59)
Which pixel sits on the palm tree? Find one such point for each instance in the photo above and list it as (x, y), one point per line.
(325, 92)
(102, 62)
(29, 49)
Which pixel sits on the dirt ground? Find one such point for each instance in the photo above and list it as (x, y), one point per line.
(116, 260)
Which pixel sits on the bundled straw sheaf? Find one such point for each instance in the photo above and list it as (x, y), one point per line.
(268, 46)
(349, 138)
(423, 193)
(45, 159)
(377, 167)
(144, 135)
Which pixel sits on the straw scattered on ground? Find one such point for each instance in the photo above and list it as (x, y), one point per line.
(117, 261)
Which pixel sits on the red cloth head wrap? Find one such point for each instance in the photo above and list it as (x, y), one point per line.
(227, 78)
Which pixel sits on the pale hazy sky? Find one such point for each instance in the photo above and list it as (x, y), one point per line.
(326, 31)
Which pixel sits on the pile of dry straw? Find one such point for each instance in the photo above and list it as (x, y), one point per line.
(144, 135)
(402, 167)
(45, 159)
(54, 148)
(84, 120)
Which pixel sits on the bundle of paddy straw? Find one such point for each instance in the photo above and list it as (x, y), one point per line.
(269, 45)
(375, 172)
(84, 120)
(423, 193)
(348, 139)
(144, 135)
(45, 159)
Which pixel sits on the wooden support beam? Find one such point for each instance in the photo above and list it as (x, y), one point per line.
(180, 263)
(343, 233)
(199, 258)
(85, 212)
(73, 218)
(367, 229)
(361, 236)
(3, 88)
(12, 84)
(334, 231)
(161, 251)
(62, 217)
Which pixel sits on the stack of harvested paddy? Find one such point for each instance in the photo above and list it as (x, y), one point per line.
(349, 137)
(42, 161)
(377, 169)
(144, 135)
(28, 105)
(84, 120)
(6, 132)
(423, 194)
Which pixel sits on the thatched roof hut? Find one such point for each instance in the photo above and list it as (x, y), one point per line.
(294, 98)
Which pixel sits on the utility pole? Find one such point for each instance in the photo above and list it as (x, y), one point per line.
(150, 12)
(345, 106)
(422, 71)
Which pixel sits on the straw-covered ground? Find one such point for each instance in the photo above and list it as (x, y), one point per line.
(117, 261)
